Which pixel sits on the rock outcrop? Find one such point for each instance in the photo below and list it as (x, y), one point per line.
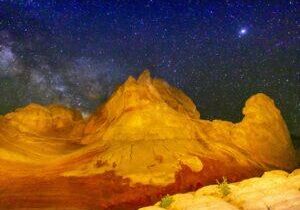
(274, 190)
(147, 140)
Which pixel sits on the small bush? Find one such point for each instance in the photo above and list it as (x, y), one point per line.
(166, 201)
(224, 187)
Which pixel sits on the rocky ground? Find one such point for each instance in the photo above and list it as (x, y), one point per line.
(275, 190)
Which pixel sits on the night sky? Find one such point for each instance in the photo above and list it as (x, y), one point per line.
(219, 52)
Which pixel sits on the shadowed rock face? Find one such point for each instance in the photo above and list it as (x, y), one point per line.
(145, 141)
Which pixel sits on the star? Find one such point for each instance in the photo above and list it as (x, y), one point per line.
(242, 32)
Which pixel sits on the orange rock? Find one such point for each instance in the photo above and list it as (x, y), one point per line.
(46, 120)
(145, 141)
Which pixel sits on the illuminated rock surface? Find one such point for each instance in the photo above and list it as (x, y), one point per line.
(147, 140)
(276, 190)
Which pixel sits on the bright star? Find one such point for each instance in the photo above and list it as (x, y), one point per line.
(242, 32)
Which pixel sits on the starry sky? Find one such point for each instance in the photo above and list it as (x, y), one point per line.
(218, 52)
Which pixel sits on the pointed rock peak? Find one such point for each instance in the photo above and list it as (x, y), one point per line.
(139, 89)
(130, 80)
(145, 77)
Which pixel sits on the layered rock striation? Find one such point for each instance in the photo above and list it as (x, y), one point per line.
(147, 140)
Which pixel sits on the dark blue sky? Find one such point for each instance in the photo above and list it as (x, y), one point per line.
(218, 52)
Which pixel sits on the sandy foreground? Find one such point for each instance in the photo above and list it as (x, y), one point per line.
(275, 190)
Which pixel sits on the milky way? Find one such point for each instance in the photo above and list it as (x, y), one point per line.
(76, 52)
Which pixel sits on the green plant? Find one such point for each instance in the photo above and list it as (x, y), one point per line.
(224, 187)
(166, 201)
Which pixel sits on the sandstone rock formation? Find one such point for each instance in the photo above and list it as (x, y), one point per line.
(145, 141)
(274, 190)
